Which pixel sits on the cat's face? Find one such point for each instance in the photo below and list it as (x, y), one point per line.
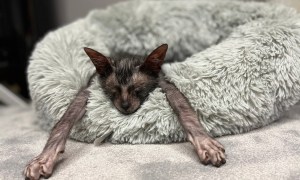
(127, 81)
(127, 96)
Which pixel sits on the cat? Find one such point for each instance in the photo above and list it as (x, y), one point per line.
(127, 81)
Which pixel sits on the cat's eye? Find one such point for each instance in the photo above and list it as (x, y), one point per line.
(140, 92)
(131, 89)
(115, 90)
(137, 91)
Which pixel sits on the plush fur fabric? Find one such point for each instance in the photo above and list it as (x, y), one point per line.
(242, 70)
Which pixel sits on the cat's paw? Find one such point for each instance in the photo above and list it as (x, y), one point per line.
(41, 165)
(209, 150)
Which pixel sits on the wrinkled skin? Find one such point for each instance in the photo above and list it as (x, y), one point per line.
(41, 165)
(208, 149)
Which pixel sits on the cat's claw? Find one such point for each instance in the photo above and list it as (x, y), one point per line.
(41, 165)
(209, 150)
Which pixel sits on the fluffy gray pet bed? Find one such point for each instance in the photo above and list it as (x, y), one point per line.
(239, 67)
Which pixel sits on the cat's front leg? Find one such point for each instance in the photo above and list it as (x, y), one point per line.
(208, 149)
(43, 164)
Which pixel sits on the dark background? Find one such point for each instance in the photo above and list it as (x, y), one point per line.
(23, 23)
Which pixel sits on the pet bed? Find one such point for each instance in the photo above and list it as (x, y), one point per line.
(238, 63)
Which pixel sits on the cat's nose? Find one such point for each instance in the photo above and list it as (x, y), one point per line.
(125, 105)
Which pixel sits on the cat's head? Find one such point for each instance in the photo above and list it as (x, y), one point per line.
(128, 80)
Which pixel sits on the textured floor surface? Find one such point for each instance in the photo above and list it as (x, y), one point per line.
(272, 152)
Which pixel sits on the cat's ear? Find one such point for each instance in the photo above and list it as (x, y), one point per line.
(155, 59)
(100, 62)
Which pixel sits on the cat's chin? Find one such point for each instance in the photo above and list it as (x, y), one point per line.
(127, 112)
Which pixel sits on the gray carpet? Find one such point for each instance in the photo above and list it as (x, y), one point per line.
(272, 152)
